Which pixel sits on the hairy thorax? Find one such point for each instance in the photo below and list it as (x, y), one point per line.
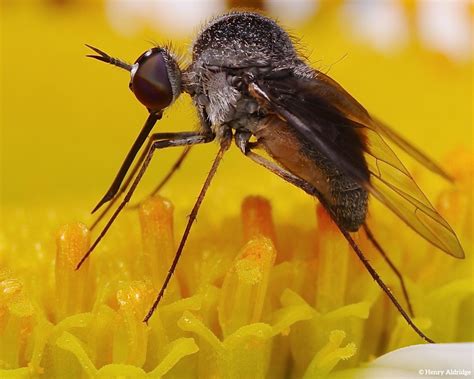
(231, 48)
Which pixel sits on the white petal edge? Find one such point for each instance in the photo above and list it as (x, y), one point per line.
(451, 360)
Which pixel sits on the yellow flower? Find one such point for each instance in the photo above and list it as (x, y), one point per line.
(257, 295)
(281, 301)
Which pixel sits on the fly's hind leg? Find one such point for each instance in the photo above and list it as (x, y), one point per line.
(240, 140)
(382, 252)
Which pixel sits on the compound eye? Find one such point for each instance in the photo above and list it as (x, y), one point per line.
(150, 80)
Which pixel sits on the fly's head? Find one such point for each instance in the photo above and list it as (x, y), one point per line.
(156, 79)
(155, 76)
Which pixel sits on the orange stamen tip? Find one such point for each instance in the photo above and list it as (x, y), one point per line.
(72, 243)
(9, 289)
(258, 254)
(156, 221)
(136, 296)
(74, 292)
(325, 222)
(461, 165)
(257, 218)
(448, 202)
(157, 208)
(245, 285)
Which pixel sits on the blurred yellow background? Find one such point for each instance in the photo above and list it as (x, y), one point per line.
(67, 121)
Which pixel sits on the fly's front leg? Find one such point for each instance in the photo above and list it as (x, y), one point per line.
(156, 142)
(226, 139)
(116, 184)
(167, 177)
(154, 137)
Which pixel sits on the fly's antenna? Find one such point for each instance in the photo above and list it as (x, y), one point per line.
(104, 57)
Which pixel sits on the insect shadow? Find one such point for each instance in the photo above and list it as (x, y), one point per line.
(249, 84)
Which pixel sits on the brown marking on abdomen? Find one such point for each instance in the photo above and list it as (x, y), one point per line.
(347, 199)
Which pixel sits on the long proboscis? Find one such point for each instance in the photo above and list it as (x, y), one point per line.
(104, 57)
(114, 188)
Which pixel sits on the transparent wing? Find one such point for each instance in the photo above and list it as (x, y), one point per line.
(406, 146)
(354, 111)
(393, 185)
(321, 112)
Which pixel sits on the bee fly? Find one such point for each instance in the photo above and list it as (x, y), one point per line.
(249, 85)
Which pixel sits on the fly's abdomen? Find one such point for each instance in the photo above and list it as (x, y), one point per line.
(346, 198)
(349, 202)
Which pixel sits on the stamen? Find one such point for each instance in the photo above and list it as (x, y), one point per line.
(455, 202)
(245, 285)
(332, 253)
(156, 220)
(327, 358)
(74, 289)
(257, 218)
(131, 339)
